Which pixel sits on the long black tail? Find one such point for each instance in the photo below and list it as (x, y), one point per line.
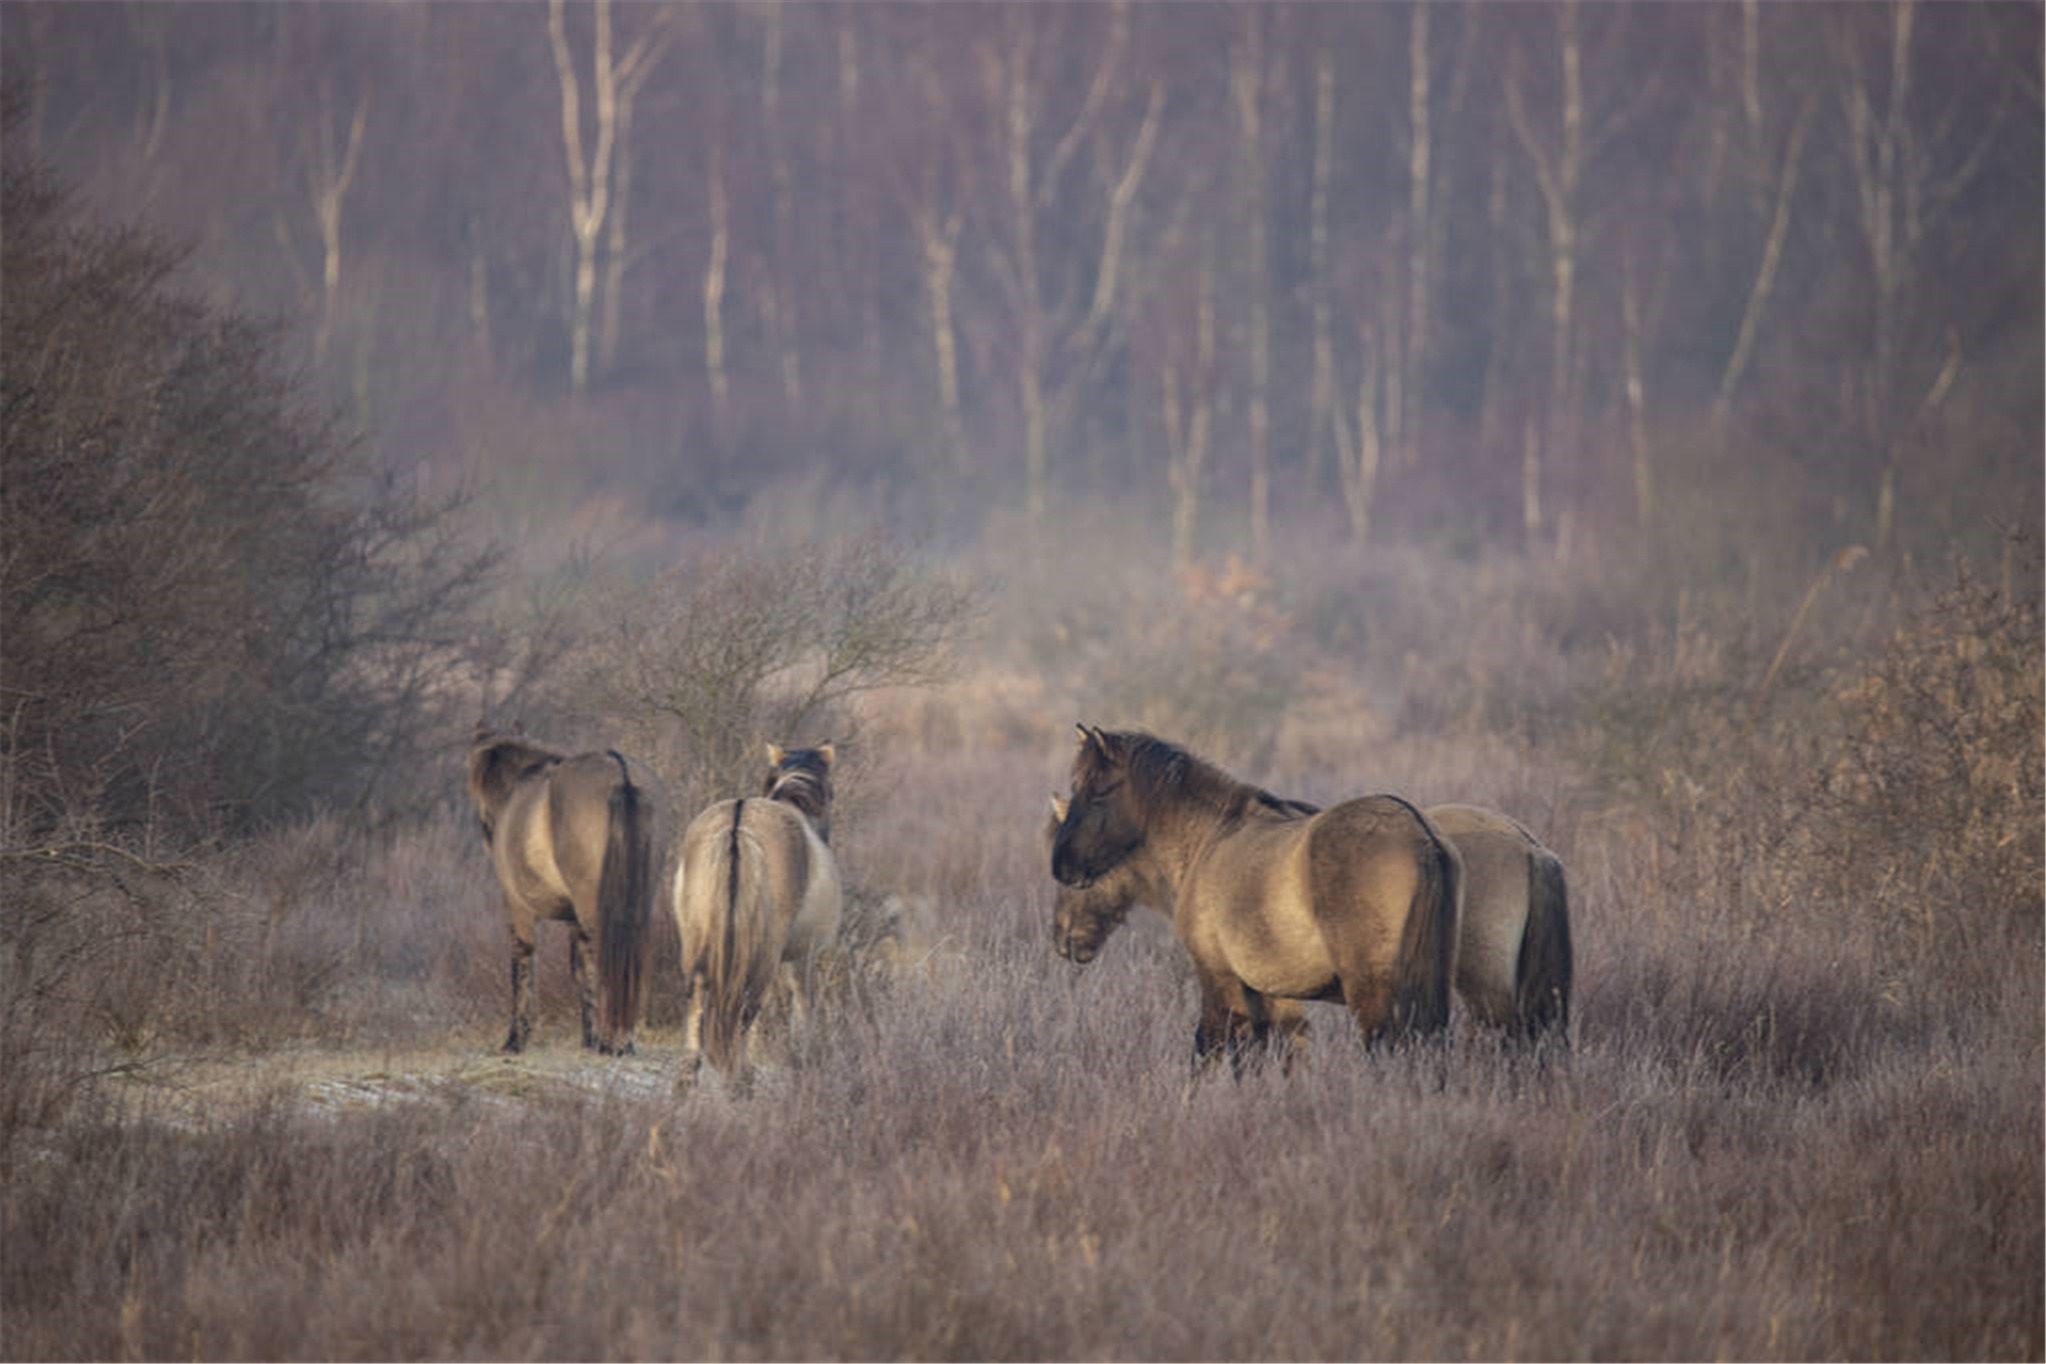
(1541, 977)
(1428, 942)
(624, 906)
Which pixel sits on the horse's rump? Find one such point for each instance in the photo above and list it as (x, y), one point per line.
(1376, 857)
(1514, 964)
(748, 868)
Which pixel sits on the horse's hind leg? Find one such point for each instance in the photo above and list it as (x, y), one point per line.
(795, 986)
(692, 1032)
(584, 970)
(1368, 995)
(522, 995)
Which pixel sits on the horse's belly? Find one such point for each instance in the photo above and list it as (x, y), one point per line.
(1283, 955)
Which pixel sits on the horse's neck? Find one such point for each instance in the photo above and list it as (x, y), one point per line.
(1174, 843)
(815, 812)
(1155, 890)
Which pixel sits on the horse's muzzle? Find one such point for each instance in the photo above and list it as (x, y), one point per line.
(1067, 871)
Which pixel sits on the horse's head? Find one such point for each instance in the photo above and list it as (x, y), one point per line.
(802, 778)
(496, 765)
(1102, 825)
(1083, 920)
(485, 779)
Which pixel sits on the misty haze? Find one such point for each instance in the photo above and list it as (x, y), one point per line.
(1625, 420)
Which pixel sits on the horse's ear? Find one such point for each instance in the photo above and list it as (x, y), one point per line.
(1059, 805)
(827, 751)
(482, 734)
(1092, 738)
(775, 755)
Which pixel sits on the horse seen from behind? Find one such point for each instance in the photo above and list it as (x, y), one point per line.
(756, 896)
(570, 838)
(1276, 902)
(1514, 963)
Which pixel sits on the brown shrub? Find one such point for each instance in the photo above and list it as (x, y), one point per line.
(1932, 806)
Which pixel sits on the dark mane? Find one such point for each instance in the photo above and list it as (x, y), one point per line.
(803, 779)
(496, 764)
(1162, 773)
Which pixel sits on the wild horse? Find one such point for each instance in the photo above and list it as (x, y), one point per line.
(570, 838)
(1513, 959)
(756, 897)
(1274, 901)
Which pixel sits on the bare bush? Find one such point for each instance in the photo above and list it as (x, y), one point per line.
(216, 612)
(702, 666)
(1933, 805)
(1210, 656)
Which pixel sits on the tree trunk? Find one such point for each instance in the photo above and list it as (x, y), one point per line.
(714, 283)
(329, 192)
(1186, 437)
(1419, 235)
(614, 85)
(1321, 397)
(1248, 82)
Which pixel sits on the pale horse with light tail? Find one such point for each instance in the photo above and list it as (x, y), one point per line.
(757, 897)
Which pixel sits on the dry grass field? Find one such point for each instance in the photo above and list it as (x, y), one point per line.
(253, 1106)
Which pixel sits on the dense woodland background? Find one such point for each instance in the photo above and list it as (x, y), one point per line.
(1728, 279)
(1625, 416)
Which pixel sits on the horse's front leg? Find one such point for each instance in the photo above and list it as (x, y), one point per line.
(584, 971)
(522, 993)
(1255, 1039)
(1289, 1033)
(1225, 1026)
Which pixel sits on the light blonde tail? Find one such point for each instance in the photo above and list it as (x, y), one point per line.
(733, 982)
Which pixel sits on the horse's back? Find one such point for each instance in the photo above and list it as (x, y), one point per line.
(579, 812)
(703, 867)
(776, 846)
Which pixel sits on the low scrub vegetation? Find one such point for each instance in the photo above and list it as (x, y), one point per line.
(1802, 1117)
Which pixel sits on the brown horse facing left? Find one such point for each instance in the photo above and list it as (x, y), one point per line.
(1513, 958)
(1356, 903)
(571, 838)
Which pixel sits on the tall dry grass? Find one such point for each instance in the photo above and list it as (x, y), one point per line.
(1795, 1123)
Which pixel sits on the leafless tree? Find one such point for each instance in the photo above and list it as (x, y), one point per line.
(597, 171)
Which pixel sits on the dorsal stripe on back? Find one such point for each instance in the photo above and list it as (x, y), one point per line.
(732, 879)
